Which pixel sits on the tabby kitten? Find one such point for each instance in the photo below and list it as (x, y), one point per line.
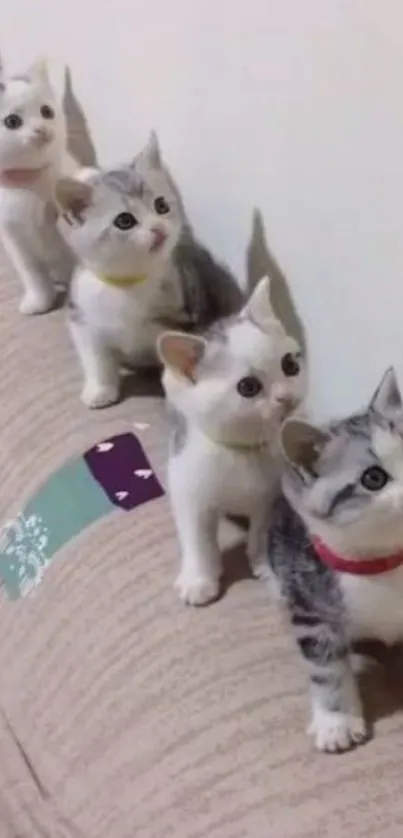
(336, 548)
(141, 269)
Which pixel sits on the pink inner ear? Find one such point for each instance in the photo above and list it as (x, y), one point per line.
(78, 205)
(190, 364)
(183, 356)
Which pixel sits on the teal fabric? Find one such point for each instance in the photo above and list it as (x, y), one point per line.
(67, 503)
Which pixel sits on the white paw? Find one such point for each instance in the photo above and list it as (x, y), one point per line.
(96, 396)
(197, 590)
(262, 570)
(334, 732)
(37, 303)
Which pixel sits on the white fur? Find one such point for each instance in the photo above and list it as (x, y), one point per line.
(207, 480)
(121, 324)
(115, 324)
(213, 474)
(374, 603)
(334, 732)
(27, 217)
(215, 404)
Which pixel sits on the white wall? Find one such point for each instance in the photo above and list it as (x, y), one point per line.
(294, 106)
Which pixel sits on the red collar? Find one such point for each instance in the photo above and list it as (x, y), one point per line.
(20, 177)
(357, 567)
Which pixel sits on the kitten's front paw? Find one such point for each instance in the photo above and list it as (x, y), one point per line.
(335, 732)
(264, 573)
(38, 302)
(96, 396)
(262, 570)
(197, 590)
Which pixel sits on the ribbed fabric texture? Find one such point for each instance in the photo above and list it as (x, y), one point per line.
(124, 714)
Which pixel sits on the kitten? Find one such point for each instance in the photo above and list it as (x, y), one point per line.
(336, 547)
(228, 392)
(32, 151)
(141, 269)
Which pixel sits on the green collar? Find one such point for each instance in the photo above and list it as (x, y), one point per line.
(123, 281)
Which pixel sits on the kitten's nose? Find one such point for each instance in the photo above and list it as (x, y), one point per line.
(280, 405)
(42, 136)
(159, 237)
(285, 405)
(280, 394)
(283, 399)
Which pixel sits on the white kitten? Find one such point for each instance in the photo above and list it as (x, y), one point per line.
(32, 153)
(228, 394)
(140, 269)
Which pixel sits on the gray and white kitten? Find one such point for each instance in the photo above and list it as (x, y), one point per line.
(343, 490)
(228, 392)
(140, 271)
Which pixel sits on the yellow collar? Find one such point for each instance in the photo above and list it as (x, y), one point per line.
(123, 281)
(245, 447)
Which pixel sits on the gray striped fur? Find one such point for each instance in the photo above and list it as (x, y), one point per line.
(315, 604)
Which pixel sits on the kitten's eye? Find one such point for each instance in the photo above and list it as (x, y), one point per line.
(290, 365)
(374, 478)
(125, 221)
(249, 387)
(47, 112)
(161, 206)
(13, 121)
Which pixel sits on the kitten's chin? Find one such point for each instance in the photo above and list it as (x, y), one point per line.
(238, 436)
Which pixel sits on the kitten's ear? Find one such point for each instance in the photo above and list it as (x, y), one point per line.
(259, 308)
(302, 444)
(387, 398)
(150, 156)
(181, 352)
(38, 72)
(72, 197)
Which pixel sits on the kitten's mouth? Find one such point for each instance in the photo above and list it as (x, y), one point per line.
(21, 177)
(160, 238)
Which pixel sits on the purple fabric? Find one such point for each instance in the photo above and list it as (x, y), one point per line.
(120, 465)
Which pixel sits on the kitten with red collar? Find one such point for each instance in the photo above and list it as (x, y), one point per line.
(32, 157)
(336, 548)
